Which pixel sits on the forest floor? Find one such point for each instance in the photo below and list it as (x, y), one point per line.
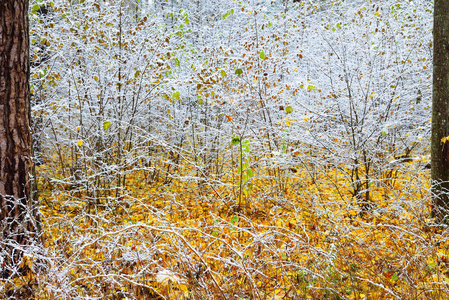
(298, 240)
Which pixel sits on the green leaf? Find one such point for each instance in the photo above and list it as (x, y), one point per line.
(33, 41)
(238, 72)
(249, 173)
(42, 73)
(311, 87)
(228, 13)
(223, 73)
(176, 95)
(262, 55)
(395, 276)
(246, 146)
(289, 109)
(35, 7)
(200, 100)
(106, 124)
(235, 141)
(234, 219)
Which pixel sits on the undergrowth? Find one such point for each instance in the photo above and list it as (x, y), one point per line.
(181, 240)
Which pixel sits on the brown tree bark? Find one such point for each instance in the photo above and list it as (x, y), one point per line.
(15, 137)
(440, 112)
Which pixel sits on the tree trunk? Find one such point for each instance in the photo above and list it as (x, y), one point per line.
(15, 139)
(440, 111)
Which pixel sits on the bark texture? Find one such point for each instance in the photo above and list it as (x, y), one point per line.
(440, 111)
(15, 138)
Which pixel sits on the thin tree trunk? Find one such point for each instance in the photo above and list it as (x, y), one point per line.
(440, 111)
(15, 137)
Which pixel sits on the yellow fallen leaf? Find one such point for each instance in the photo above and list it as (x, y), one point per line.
(184, 289)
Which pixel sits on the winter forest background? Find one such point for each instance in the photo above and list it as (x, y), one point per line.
(225, 149)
